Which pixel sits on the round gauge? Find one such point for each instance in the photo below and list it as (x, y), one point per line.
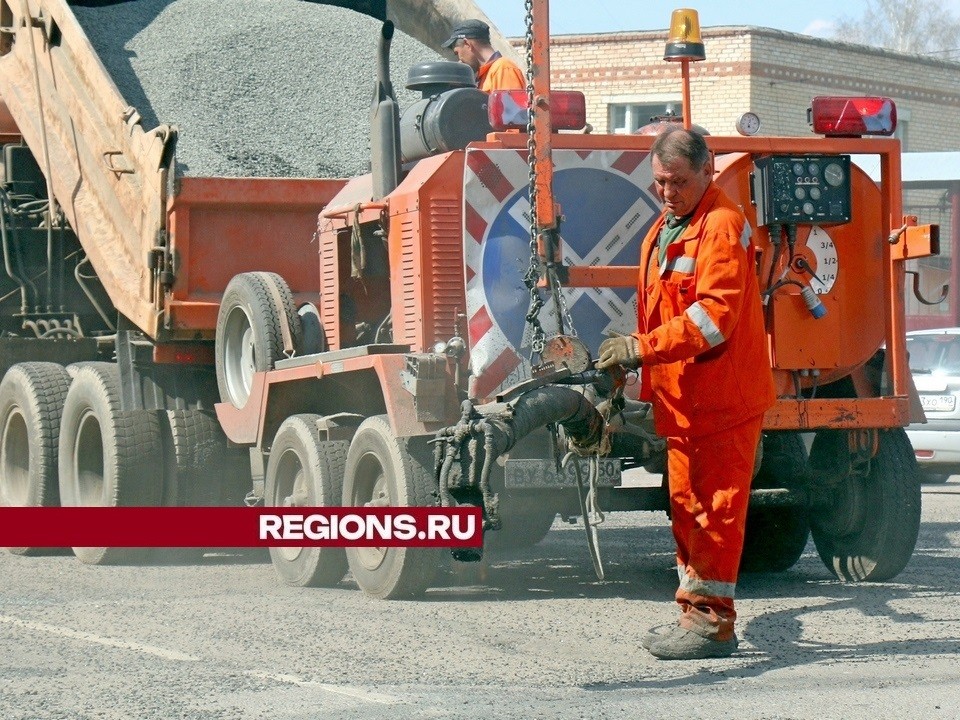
(833, 174)
(814, 193)
(813, 169)
(798, 169)
(826, 263)
(800, 193)
(748, 124)
(808, 208)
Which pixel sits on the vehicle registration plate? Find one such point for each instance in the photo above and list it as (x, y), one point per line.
(543, 473)
(938, 403)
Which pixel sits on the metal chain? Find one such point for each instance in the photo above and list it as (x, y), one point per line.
(536, 268)
(566, 319)
(532, 276)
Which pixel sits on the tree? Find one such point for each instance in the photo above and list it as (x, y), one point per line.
(912, 26)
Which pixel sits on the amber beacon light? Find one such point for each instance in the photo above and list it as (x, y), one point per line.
(684, 45)
(684, 41)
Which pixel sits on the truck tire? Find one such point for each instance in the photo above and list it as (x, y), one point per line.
(383, 470)
(107, 457)
(776, 536)
(314, 336)
(200, 467)
(868, 528)
(304, 471)
(249, 335)
(31, 401)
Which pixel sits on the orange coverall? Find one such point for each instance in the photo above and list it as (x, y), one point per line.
(705, 368)
(499, 73)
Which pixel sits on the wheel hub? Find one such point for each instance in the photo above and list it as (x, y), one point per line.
(239, 356)
(15, 460)
(379, 496)
(88, 460)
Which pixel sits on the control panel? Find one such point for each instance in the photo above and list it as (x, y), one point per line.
(801, 189)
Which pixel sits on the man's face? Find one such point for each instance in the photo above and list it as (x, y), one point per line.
(466, 52)
(679, 185)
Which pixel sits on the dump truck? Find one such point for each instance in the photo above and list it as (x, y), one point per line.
(424, 334)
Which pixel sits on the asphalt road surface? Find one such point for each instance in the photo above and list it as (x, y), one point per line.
(526, 635)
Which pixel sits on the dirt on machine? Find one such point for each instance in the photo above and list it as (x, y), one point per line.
(423, 334)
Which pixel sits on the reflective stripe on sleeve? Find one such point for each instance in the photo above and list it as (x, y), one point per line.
(708, 588)
(746, 235)
(705, 323)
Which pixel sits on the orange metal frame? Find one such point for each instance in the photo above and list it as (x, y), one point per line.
(258, 420)
(889, 411)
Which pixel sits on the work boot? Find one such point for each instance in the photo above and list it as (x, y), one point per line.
(656, 633)
(683, 644)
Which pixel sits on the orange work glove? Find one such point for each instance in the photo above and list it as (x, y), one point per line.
(620, 350)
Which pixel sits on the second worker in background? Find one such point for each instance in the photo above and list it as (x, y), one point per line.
(470, 41)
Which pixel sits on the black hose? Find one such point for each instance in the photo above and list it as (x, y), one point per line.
(542, 406)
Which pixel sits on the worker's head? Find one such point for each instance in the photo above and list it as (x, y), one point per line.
(682, 169)
(470, 42)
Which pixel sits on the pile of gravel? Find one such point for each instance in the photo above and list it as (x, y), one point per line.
(257, 88)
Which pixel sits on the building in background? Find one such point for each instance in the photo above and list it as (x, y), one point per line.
(775, 74)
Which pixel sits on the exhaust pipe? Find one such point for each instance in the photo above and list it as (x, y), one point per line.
(384, 123)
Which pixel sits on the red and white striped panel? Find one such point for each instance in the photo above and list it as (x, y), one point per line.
(496, 207)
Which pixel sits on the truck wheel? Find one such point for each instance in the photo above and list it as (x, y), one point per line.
(303, 471)
(385, 471)
(776, 536)
(107, 458)
(867, 528)
(249, 336)
(31, 401)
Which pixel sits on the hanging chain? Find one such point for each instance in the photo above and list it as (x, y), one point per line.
(532, 277)
(566, 321)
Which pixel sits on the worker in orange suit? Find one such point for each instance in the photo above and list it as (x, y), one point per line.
(470, 42)
(702, 350)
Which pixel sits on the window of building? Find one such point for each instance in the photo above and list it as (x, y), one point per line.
(628, 117)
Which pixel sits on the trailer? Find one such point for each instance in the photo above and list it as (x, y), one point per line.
(423, 335)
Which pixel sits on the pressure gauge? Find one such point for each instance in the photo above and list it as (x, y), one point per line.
(748, 124)
(826, 263)
(833, 174)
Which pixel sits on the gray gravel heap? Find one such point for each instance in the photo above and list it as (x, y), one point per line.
(258, 88)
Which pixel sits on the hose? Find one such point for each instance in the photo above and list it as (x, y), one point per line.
(503, 428)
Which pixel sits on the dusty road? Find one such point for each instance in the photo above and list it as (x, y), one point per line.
(528, 635)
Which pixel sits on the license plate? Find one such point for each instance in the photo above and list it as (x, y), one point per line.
(938, 403)
(543, 473)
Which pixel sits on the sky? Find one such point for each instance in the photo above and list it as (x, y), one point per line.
(811, 17)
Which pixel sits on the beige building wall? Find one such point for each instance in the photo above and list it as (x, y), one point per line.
(772, 73)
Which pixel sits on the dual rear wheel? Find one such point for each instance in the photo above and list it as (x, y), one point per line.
(375, 469)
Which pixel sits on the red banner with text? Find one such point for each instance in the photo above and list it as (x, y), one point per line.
(230, 527)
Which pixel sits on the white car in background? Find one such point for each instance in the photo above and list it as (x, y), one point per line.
(935, 366)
